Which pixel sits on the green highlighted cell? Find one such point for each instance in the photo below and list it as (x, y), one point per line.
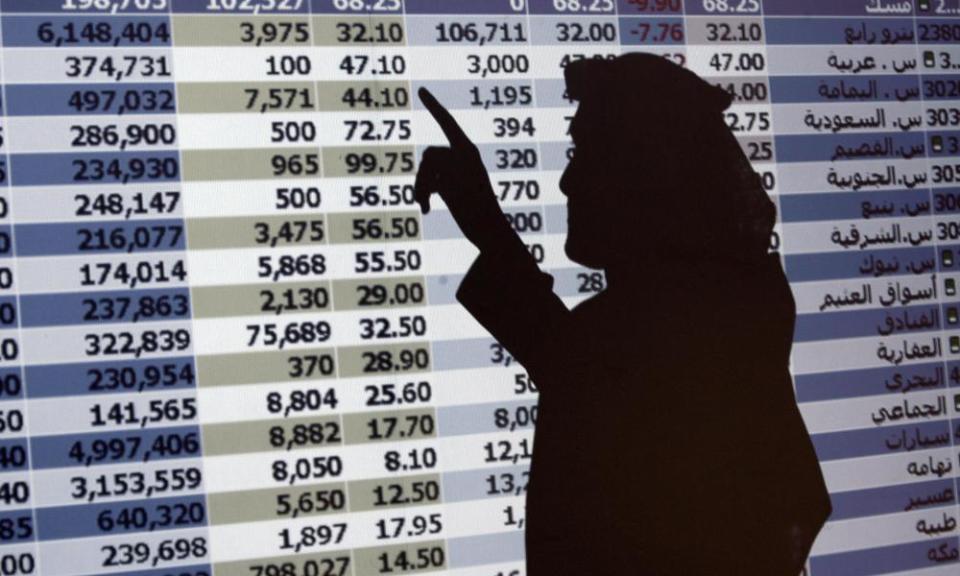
(277, 503)
(252, 97)
(250, 164)
(368, 161)
(412, 558)
(253, 299)
(396, 226)
(384, 359)
(342, 30)
(331, 563)
(390, 426)
(400, 492)
(263, 367)
(373, 293)
(363, 96)
(266, 435)
(242, 31)
(256, 232)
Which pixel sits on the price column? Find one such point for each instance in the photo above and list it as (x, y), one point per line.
(396, 490)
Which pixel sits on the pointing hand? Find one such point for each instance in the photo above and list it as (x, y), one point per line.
(457, 173)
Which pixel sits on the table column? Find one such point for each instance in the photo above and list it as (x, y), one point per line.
(19, 553)
(250, 158)
(318, 422)
(562, 32)
(937, 30)
(860, 253)
(105, 315)
(726, 45)
(477, 59)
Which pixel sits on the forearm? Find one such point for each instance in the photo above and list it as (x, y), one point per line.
(508, 294)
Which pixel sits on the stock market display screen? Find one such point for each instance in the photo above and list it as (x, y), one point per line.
(229, 341)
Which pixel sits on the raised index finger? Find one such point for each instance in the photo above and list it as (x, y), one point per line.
(452, 130)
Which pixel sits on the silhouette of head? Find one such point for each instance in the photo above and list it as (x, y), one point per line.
(655, 172)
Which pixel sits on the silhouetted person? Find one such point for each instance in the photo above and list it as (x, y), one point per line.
(668, 438)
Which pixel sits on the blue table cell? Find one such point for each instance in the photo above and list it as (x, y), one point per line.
(938, 30)
(949, 258)
(441, 226)
(579, 8)
(946, 200)
(14, 455)
(665, 7)
(511, 158)
(842, 265)
(472, 485)
(839, 147)
(935, 8)
(17, 527)
(817, 89)
(68, 309)
(359, 7)
(553, 93)
(554, 156)
(85, 31)
(11, 384)
(485, 30)
(843, 31)
(831, 8)
(651, 31)
(940, 87)
(943, 143)
(879, 441)
(854, 205)
(103, 448)
(226, 7)
(869, 382)
(891, 499)
(93, 169)
(888, 559)
(459, 7)
(462, 353)
(57, 380)
(79, 521)
(470, 419)
(6, 241)
(73, 6)
(90, 99)
(730, 8)
(129, 237)
(594, 31)
(861, 323)
(476, 550)
(8, 315)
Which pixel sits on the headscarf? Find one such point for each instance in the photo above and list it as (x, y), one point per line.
(665, 124)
